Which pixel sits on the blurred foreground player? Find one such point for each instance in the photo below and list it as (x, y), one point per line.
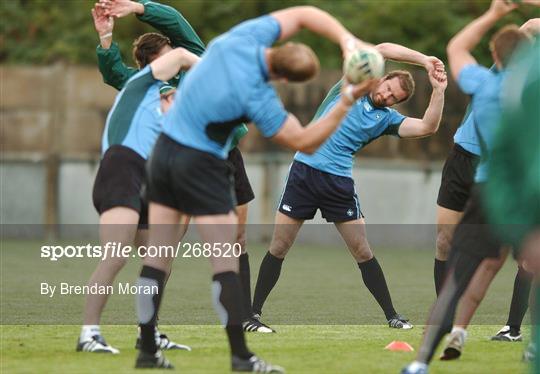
(132, 127)
(177, 32)
(483, 277)
(473, 240)
(513, 190)
(323, 180)
(188, 172)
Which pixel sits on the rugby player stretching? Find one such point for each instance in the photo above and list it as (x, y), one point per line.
(188, 169)
(473, 240)
(323, 180)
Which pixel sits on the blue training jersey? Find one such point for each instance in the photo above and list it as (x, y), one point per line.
(466, 135)
(485, 86)
(363, 124)
(227, 87)
(135, 118)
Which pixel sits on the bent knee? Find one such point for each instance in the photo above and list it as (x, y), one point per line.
(280, 247)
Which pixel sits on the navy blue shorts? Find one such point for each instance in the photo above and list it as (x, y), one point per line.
(309, 189)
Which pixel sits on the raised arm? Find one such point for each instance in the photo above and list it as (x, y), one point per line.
(460, 46)
(429, 124)
(307, 139)
(168, 65)
(163, 18)
(294, 19)
(399, 53)
(113, 70)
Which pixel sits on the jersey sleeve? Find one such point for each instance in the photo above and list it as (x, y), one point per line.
(266, 29)
(140, 82)
(394, 119)
(471, 77)
(172, 24)
(113, 70)
(265, 109)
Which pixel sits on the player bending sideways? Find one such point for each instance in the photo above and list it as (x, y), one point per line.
(177, 32)
(483, 277)
(188, 171)
(132, 127)
(323, 180)
(473, 239)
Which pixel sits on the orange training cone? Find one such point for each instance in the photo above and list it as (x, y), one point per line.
(397, 346)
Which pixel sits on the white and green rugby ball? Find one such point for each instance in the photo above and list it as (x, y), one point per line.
(362, 64)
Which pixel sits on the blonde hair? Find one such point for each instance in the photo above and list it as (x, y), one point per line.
(294, 61)
(506, 41)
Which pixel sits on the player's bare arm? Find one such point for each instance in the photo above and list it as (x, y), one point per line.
(429, 124)
(399, 53)
(460, 46)
(307, 139)
(531, 27)
(168, 65)
(294, 19)
(104, 26)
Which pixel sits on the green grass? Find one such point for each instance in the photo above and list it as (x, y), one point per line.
(327, 320)
(301, 349)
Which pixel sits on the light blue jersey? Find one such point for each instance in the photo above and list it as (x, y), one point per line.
(135, 118)
(227, 87)
(363, 124)
(466, 135)
(485, 86)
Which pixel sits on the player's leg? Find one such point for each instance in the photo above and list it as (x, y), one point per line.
(244, 194)
(473, 242)
(354, 235)
(164, 231)
(141, 240)
(227, 290)
(285, 232)
(456, 182)
(298, 203)
(511, 332)
(117, 225)
(447, 219)
(469, 303)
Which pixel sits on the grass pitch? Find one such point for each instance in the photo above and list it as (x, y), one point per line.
(327, 321)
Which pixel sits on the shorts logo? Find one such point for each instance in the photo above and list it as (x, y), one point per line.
(286, 208)
(350, 212)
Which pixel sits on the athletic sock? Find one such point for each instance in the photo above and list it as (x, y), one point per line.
(520, 299)
(148, 306)
(226, 294)
(374, 280)
(439, 272)
(87, 331)
(245, 280)
(268, 276)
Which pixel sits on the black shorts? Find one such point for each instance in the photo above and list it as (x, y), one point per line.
(119, 182)
(188, 180)
(242, 187)
(309, 189)
(473, 234)
(457, 179)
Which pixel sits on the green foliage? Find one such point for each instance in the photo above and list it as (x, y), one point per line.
(44, 31)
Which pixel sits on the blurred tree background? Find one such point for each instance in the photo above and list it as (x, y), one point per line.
(42, 32)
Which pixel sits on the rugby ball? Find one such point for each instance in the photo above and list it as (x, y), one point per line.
(364, 63)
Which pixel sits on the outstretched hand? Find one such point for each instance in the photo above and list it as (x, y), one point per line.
(350, 93)
(120, 8)
(102, 22)
(438, 79)
(500, 8)
(432, 64)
